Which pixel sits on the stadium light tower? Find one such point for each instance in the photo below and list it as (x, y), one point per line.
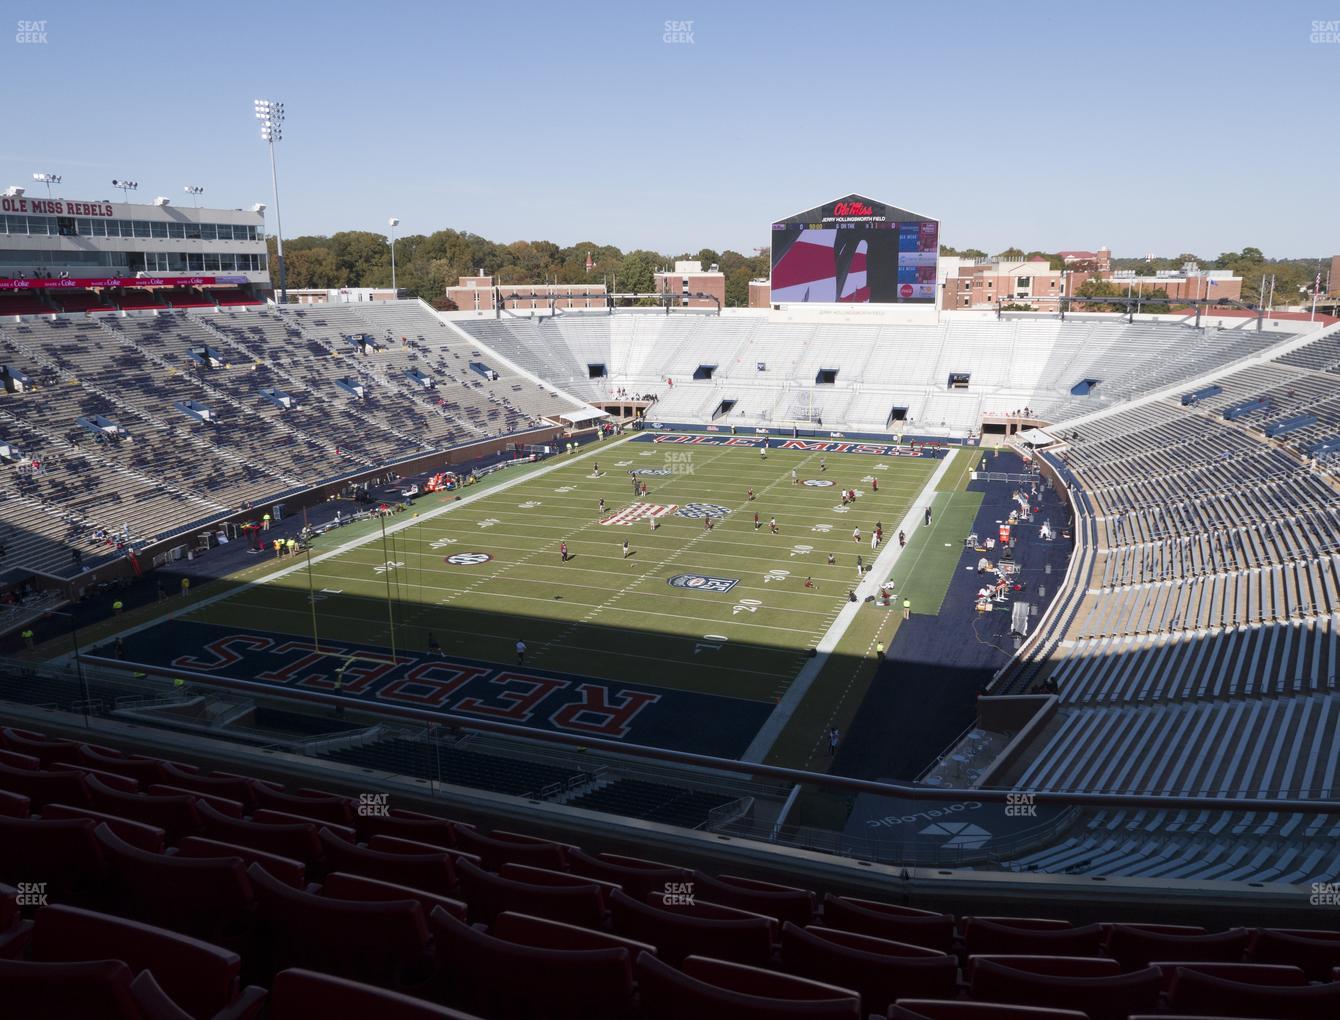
(126, 188)
(48, 180)
(271, 116)
(394, 223)
(195, 191)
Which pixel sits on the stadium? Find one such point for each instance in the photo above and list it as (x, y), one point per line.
(843, 657)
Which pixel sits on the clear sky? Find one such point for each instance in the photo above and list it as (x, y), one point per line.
(1163, 126)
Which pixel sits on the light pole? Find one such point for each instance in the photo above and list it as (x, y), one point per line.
(271, 116)
(195, 191)
(126, 188)
(48, 180)
(394, 223)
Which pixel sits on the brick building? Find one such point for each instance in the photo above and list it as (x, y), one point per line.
(688, 279)
(969, 284)
(484, 294)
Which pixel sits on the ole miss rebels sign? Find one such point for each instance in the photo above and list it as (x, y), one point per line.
(55, 207)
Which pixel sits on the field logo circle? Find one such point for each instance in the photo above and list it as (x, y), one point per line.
(696, 511)
(471, 559)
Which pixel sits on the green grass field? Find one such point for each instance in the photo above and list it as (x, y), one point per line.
(602, 615)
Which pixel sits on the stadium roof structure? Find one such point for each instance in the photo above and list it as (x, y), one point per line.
(862, 208)
(583, 415)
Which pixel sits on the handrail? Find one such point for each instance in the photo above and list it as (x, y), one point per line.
(753, 769)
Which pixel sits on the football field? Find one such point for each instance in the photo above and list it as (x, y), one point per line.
(687, 638)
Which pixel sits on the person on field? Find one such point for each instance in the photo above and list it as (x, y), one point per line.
(563, 552)
(521, 653)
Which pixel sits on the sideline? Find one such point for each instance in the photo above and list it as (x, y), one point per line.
(879, 571)
(559, 460)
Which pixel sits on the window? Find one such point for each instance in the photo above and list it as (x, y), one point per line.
(142, 228)
(211, 263)
(195, 263)
(158, 228)
(176, 229)
(207, 232)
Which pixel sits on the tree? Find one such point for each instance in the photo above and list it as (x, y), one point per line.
(636, 272)
(737, 287)
(1011, 253)
(1101, 289)
(314, 267)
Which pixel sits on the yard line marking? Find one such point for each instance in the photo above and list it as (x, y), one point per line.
(772, 729)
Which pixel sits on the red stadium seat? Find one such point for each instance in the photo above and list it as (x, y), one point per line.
(1102, 998)
(494, 852)
(431, 872)
(1137, 947)
(209, 899)
(62, 991)
(1249, 973)
(304, 994)
(717, 990)
(636, 877)
(146, 837)
(14, 805)
(1195, 992)
(200, 978)
(16, 760)
(785, 903)
(886, 921)
(233, 808)
(324, 807)
(295, 840)
(232, 788)
(488, 895)
(342, 886)
(283, 868)
(1315, 951)
(42, 787)
(542, 933)
(676, 934)
(63, 853)
(143, 770)
(876, 969)
(1063, 966)
(385, 943)
(406, 825)
(481, 974)
(961, 1009)
(176, 815)
(271, 817)
(43, 749)
(126, 784)
(982, 936)
(558, 879)
(14, 930)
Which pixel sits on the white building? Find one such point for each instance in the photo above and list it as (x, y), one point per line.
(97, 239)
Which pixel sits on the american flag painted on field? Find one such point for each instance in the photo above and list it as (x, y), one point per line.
(639, 512)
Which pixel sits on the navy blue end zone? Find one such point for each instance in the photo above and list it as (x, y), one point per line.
(936, 449)
(698, 723)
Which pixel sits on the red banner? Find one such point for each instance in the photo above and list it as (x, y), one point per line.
(119, 281)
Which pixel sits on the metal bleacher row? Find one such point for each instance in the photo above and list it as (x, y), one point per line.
(169, 472)
(1198, 652)
(170, 891)
(769, 368)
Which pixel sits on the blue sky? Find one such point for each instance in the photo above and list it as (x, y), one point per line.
(1046, 126)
